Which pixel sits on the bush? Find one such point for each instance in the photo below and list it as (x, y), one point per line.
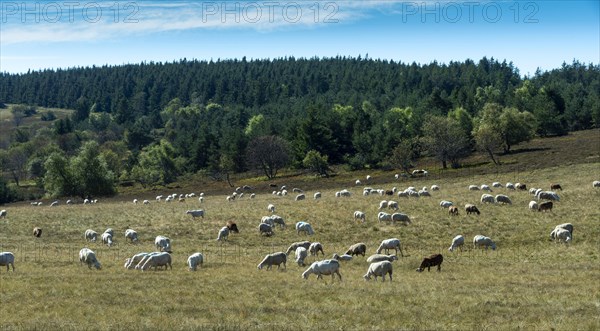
(48, 116)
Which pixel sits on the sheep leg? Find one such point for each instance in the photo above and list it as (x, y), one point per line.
(439, 267)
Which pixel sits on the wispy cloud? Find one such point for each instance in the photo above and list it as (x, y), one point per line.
(92, 21)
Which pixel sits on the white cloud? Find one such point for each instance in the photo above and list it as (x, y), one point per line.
(145, 18)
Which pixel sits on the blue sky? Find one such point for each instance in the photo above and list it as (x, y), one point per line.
(62, 34)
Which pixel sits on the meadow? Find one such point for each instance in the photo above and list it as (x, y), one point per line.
(529, 282)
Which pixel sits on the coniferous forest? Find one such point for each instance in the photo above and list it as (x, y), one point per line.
(152, 122)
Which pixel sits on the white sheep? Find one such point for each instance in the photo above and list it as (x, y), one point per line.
(223, 234)
(561, 235)
(135, 201)
(547, 195)
(129, 262)
(265, 229)
(383, 204)
(596, 183)
(388, 244)
(483, 241)
(379, 269)
(384, 217)
(300, 197)
(381, 257)
(159, 198)
(457, 242)
(325, 267)
(273, 259)
(503, 199)
(158, 260)
(301, 254)
(496, 184)
(445, 204)
(304, 227)
(196, 213)
(143, 260)
(393, 205)
(473, 188)
(343, 257)
(69, 202)
(107, 239)
(566, 226)
(131, 235)
(278, 220)
(358, 182)
(533, 205)
(54, 203)
(424, 193)
(163, 244)
(7, 259)
(317, 195)
(315, 248)
(3, 213)
(252, 195)
(194, 261)
(88, 257)
(146, 202)
(510, 186)
(487, 198)
(486, 188)
(110, 231)
(435, 188)
(90, 235)
(294, 246)
(271, 207)
(359, 215)
(400, 217)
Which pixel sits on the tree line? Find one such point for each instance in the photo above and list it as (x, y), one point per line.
(153, 122)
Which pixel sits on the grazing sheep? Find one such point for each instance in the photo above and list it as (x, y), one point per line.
(424, 193)
(561, 235)
(37, 232)
(300, 197)
(596, 183)
(521, 186)
(453, 211)
(547, 195)
(301, 254)
(232, 227)
(163, 244)
(3, 213)
(388, 244)
(201, 199)
(566, 226)
(158, 198)
(90, 235)
(110, 231)
(88, 257)
(131, 235)
(555, 187)
(358, 182)
(510, 186)
(135, 201)
(343, 193)
(457, 242)
(7, 259)
(432, 261)
(404, 194)
(158, 260)
(383, 204)
(129, 262)
(471, 209)
(325, 267)
(304, 227)
(486, 188)
(196, 213)
(357, 249)
(435, 188)
(344, 257)
(69, 202)
(384, 217)
(393, 205)
(420, 173)
(278, 220)
(315, 248)
(271, 208)
(473, 188)
(317, 195)
(223, 234)
(359, 215)
(267, 220)
(445, 204)
(54, 204)
(545, 206)
(294, 246)
(496, 184)
(399, 217)
(381, 257)
(379, 269)
(483, 241)
(146, 202)
(194, 261)
(107, 239)
(487, 198)
(265, 229)
(533, 205)
(271, 259)
(503, 199)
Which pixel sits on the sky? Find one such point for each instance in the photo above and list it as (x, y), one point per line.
(36, 35)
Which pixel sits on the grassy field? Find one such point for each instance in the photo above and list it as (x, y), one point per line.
(529, 282)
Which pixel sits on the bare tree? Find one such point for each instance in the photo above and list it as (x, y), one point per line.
(268, 153)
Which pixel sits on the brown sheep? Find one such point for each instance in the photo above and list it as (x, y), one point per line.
(545, 206)
(357, 249)
(453, 210)
(471, 209)
(432, 261)
(554, 187)
(232, 227)
(37, 232)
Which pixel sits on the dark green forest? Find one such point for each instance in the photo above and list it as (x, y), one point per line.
(152, 122)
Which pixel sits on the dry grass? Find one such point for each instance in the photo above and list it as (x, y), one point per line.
(528, 283)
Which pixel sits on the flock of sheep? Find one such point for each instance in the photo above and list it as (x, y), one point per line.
(380, 264)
